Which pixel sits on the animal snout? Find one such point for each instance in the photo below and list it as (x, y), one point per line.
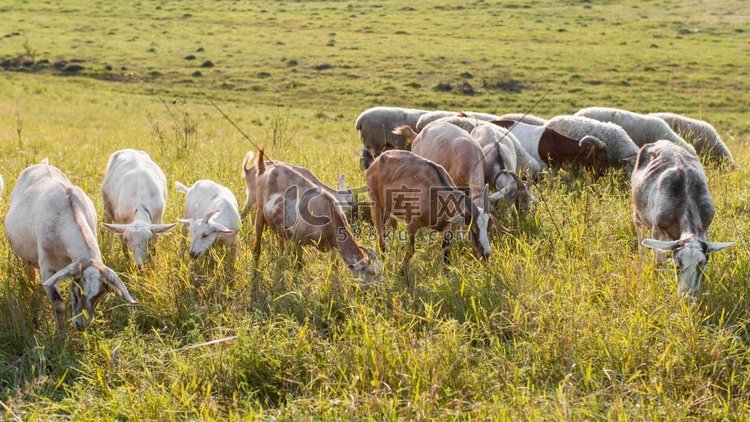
(195, 254)
(79, 324)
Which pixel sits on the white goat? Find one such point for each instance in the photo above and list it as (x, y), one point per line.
(671, 197)
(642, 128)
(51, 226)
(211, 215)
(504, 158)
(134, 195)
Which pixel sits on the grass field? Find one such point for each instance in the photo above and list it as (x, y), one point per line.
(566, 321)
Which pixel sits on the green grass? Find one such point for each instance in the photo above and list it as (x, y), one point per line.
(567, 320)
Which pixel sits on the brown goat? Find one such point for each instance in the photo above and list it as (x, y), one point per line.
(421, 193)
(299, 210)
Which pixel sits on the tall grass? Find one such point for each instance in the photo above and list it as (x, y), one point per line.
(567, 320)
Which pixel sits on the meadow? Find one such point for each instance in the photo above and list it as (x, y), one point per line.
(567, 319)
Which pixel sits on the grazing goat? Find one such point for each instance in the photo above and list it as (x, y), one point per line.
(134, 195)
(671, 197)
(299, 210)
(503, 156)
(701, 134)
(548, 146)
(345, 197)
(211, 215)
(375, 126)
(421, 193)
(642, 129)
(51, 226)
(455, 150)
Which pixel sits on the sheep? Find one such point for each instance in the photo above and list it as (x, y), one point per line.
(621, 151)
(642, 129)
(299, 210)
(211, 215)
(375, 126)
(421, 193)
(455, 150)
(346, 198)
(551, 147)
(466, 123)
(504, 158)
(51, 226)
(701, 134)
(524, 118)
(134, 195)
(432, 116)
(671, 197)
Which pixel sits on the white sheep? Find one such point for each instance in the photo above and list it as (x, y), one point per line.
(701, 134)
(621, 150)
(642, 128)
(375, 126)
(432, 116)
(51, 226)
(134, 195)
(524, 118)
(211, 215)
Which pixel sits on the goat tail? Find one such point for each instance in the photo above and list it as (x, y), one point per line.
(260, 164)
(407, 132)
(366, 157)
(180, 187)
(248, 158)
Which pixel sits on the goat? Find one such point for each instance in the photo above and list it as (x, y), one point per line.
(455, 150)
(299, 210)
(503, 155)
(671, 197)
(211, 215)
(134, 195)
(346, 198)
(51, 226)
(421, 193)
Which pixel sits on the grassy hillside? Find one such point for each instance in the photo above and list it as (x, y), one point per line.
(567, 320)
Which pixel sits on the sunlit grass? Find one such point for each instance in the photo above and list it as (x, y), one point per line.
(568, 319)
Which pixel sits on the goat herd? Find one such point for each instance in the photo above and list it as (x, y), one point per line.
(456, 159)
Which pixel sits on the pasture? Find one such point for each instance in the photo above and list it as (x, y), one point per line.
(567, 320)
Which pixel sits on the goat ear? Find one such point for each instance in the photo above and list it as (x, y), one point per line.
(342, 182)
(114, 281)
(61, 275)
(187, 221)
(717, 246)
(161, 228)
(662, 245)
(117, 228)
(220, 228)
